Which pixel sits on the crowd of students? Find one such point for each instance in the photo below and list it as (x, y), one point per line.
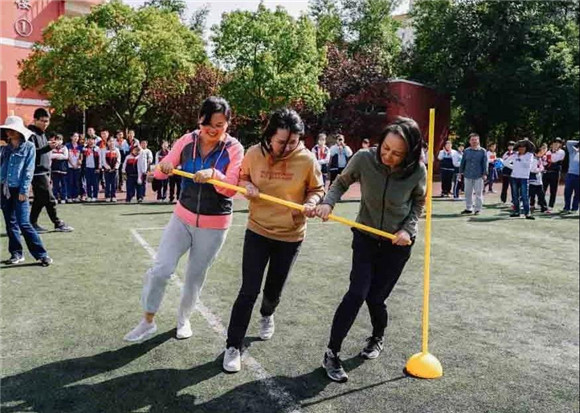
(82, 165)
(524, 170)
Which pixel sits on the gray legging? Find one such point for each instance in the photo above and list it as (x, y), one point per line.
(203, 244)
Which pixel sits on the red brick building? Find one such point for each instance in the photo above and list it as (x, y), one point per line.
(22, 25)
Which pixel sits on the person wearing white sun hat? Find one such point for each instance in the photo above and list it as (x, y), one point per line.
(16, 171)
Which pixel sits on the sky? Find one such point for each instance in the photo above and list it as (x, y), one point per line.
(294, 7)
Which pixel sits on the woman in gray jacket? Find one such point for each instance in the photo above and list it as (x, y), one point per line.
(392, 180)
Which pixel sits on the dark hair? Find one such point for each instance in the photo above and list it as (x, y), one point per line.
(527, 144)
(489, 145)
(41, 113)
(118, 131)
(211, 105)
(460, 144)
(366, 140)
(409, 130)
(104, 130)
(283, 118)
(473, 135)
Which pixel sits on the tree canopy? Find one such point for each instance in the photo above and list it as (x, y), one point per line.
(111, 57)
(511, 67)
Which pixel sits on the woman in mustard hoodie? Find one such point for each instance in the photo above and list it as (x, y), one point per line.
(280, 166)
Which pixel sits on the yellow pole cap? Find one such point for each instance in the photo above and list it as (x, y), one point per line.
(424, 366)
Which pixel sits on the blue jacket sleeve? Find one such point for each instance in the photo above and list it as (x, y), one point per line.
(28, 168)
(484, 162)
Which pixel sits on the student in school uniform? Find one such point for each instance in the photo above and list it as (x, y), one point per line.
(174, 184)
(554, 159)
(521, 162)
(162, 184)
(91, 168)
(322, 154)
(110, 162)
(75, 154)
(457, 181)
(536, 184)
(506, 172)
(446, 168)
(147, 156)
(135, 170)
(491, 171)
(58, 169)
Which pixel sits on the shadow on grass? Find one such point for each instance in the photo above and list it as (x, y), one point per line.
(54, 387)
(490, 219)
(452, 215)
(11, 266)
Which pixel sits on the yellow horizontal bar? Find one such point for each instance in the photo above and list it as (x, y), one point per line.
(290, 204)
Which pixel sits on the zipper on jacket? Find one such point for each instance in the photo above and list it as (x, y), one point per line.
(383, 209)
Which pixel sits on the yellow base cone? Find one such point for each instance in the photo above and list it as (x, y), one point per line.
(424, 366)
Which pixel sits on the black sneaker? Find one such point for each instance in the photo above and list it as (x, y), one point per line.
(466, 212)
(15, 259)
(515, 215)
(373, 348)
(39, 229)
(477, 212)
(45, 261)
(530, 217)
(63, 227)
(333, 367)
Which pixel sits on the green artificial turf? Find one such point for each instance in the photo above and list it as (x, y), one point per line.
(504, 322)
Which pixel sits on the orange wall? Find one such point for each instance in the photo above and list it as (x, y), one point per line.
(40, 14)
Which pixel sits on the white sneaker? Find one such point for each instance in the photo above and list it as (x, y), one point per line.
(141, 332)
(267, 327)
(113, 199)
(232, 360)
(184, 330)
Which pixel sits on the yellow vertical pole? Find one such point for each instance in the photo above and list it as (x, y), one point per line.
(429, 208)
(424, 364)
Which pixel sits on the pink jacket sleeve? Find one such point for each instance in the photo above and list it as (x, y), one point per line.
(232, 175)
(174, 156)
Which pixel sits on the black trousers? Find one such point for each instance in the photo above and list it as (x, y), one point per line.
(376, 268)
(334, 173)
(43, 197)
(260, 251)
(505, 185)
(550, 180)
(538, 191)
(446, 181)
(174, 187)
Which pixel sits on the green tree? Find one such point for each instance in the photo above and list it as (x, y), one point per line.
(327, 16)
(272, 60)
(172, 6)
(372, 30)
(198, 19)
(512, 68)
(111, 57)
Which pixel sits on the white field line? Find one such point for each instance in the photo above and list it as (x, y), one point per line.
(277, 393)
